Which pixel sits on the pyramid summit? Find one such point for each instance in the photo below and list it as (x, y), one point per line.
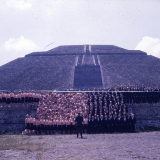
(81, 49)
(80, 67)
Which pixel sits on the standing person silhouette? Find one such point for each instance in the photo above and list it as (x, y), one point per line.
(79, 120)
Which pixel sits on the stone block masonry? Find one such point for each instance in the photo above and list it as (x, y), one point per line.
(146, 114)
(12, 119)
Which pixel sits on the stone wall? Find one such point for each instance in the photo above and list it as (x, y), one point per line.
(146, 114)
(12, 119)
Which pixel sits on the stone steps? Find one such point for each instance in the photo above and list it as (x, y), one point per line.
(87, 76)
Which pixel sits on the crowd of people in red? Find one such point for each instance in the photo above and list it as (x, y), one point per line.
(56, 112)
(17, 98)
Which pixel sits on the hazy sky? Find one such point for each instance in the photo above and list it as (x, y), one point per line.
(31, 25)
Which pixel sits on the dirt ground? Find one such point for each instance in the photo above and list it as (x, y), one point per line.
(92, 147)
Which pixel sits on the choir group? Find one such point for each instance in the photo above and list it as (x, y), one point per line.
(108, 113)
(19, 98)
(58, 111)
(103, 111)
(138, 94)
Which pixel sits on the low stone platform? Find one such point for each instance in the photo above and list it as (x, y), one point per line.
(12, 119)
(146, 114)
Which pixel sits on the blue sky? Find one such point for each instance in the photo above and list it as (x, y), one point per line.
(31, 25)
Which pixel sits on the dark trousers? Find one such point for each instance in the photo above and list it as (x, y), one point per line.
(79, 130)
